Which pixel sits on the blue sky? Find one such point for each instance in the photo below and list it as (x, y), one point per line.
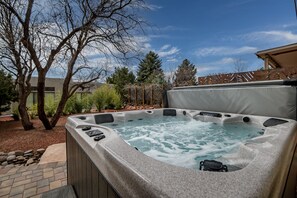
(214, 34)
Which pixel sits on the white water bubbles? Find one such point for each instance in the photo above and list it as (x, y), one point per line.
(183, 141)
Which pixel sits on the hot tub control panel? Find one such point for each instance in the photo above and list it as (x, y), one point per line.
(99, 137)
(96, 133)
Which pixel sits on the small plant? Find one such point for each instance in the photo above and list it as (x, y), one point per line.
(69, 106)
(32, 111)
(106, 97)
(87, 103)
(15, 113)
(78, 106)
(99, 98)
(114, 100)
(50, 105)
(73, 105)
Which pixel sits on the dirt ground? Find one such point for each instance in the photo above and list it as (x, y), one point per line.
(13, 137)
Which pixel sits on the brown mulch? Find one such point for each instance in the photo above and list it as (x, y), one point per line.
(13, 137)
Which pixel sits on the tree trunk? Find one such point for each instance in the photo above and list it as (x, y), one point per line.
(65, 93)
(23, 95)
(27, 125)
(59, 111)
(40, 99)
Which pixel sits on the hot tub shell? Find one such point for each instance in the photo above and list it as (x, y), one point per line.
(114, 168)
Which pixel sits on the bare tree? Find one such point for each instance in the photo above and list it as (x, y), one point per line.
(16, 60)
(60, 32)
(239, 65)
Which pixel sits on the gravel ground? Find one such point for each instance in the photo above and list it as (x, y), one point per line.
(13, 137)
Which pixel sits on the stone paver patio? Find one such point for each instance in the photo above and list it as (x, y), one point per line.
(33, 180)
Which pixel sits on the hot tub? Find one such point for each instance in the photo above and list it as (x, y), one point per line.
(110, 166)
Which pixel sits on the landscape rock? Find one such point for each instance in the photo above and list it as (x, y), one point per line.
(30, 161)
(10, 158)
(40, 151)
(11, 153)
(9, 166)
(18, 162)
(28, 151)
(2, 158)
(28, 154)
(19, 153)
(20, 158)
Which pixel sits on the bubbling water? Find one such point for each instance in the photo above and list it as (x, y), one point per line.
(183, 141)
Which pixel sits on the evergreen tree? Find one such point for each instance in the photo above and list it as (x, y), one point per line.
(7, 91)
(149, 69)
(185, 74)
(120, 78)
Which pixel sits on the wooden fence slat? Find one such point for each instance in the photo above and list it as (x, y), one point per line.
(273, 74)
(145, 94)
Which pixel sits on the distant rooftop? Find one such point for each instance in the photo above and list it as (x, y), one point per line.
(279, 57)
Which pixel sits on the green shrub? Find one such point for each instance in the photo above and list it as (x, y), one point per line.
(78, 106)
(50, 105)
(114, 100)
(73, 105)
(87, 103)
(15, 113)
(99, 98)
(32, 111)
(68, 109)
(106, 97)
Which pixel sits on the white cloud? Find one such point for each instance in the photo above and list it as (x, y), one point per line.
(224, 51)
(218, 66)
(272, 36)
(167, 50)
(225, 61)
(159, 36)
(172, 60)
(172, 28)
(164, 47)
(206, 68)
(289, 25)
(153, 7)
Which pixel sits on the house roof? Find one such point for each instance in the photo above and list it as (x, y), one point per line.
(282, 57)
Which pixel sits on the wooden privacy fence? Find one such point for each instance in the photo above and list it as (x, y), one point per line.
(145, 94)
(273, 74)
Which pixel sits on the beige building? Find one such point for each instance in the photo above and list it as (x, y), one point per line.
(53, 88)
